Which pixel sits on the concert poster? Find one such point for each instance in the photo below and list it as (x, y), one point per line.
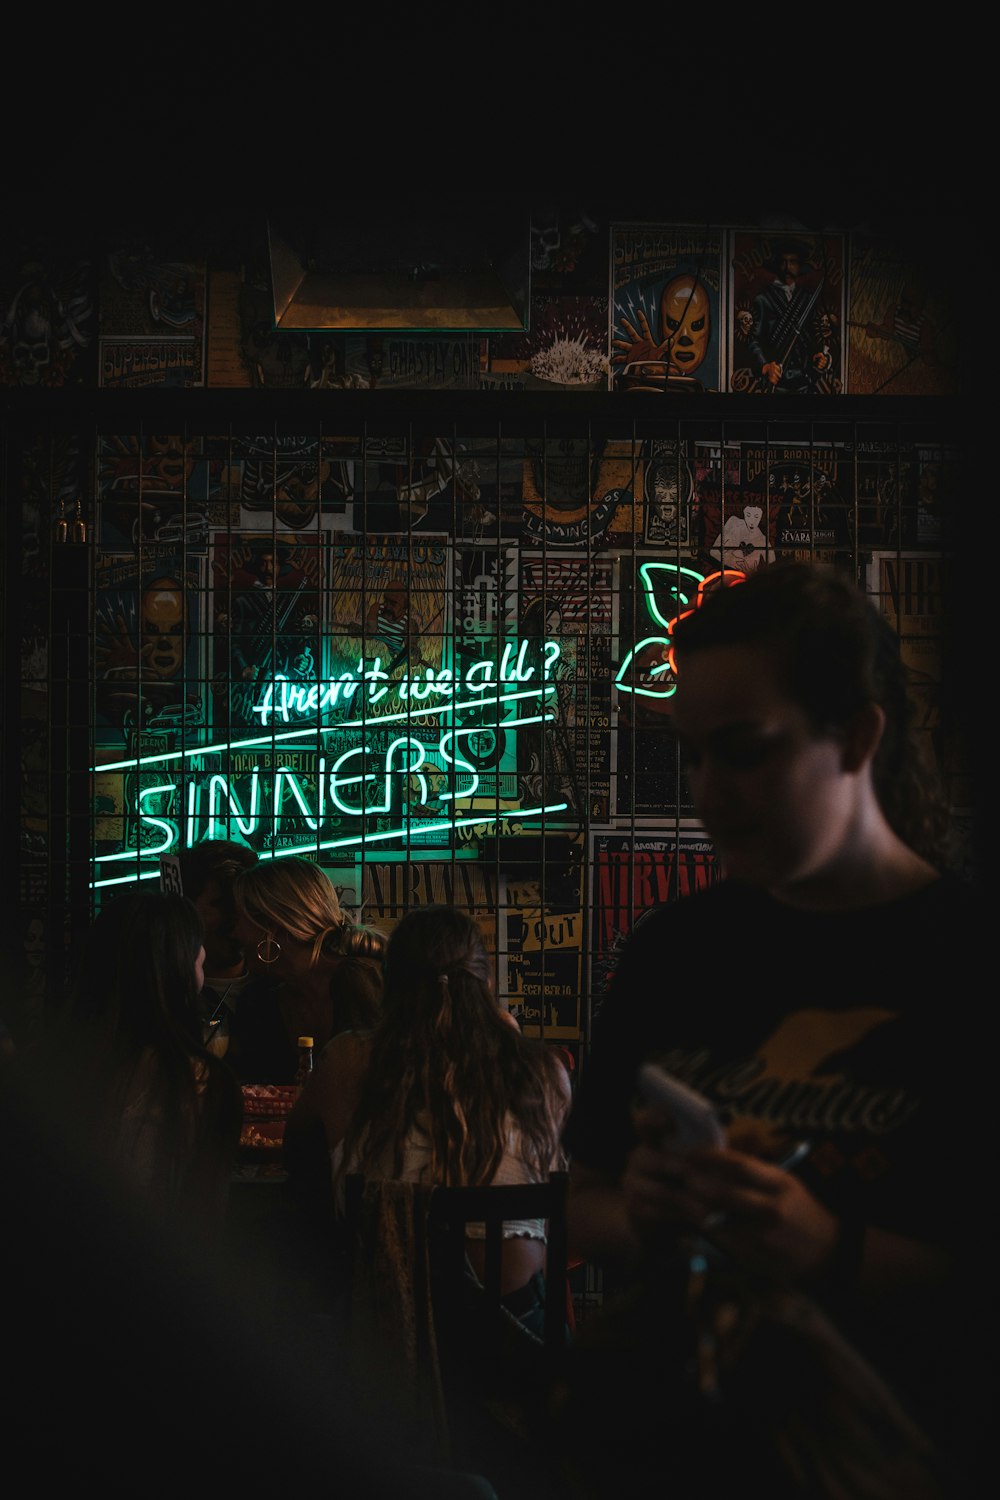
(266, 619)
(569, 601)
(734, 524)
(395, 886)
(484, 614)
(152, 320)
(577, 492)
(435, 484)
(544, 925)
(756, 502)
(884, 482)
(160, 491)
(669, 493)
(149, 646)
(298, 482)
(563, 349)
(412, 361)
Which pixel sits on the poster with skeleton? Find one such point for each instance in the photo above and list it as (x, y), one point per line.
(786, 313)
(48, 314)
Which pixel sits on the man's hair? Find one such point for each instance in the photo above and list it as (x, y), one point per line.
(212, 859)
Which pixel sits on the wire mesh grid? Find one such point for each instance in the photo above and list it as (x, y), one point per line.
(430, 654)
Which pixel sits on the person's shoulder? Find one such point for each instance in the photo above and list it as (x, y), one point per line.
(348, 1050)
(950, 898)
(709, 904)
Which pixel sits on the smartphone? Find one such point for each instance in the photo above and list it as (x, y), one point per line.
(694, 1119)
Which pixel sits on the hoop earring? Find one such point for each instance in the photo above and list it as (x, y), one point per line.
(273, 950)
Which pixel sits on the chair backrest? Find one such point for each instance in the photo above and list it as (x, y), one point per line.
(452, 1209)
(464, 1381)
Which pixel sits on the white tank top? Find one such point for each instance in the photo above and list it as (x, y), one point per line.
(513, 1170)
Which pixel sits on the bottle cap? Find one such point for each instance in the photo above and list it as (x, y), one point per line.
(305, 1041)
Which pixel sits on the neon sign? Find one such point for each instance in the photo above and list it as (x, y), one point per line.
(283, 698)
(422, 784)
(649, 669)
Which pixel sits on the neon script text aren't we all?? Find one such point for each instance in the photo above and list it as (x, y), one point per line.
(284, 698)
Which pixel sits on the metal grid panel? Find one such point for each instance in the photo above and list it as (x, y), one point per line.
(422, 643)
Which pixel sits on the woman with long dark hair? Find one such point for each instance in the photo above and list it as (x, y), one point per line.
(159, 1108)
(445, 1090)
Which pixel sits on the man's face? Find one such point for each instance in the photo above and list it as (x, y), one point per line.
(216, 911)
(773, 794)
(268, 568)
(791, 267)
(162, 629)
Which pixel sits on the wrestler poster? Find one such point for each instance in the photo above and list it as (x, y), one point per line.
(666, 329)
(786, 313)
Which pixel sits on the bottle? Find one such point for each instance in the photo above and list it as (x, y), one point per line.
(305, 1067)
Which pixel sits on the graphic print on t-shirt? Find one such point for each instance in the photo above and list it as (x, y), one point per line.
(782, 1092)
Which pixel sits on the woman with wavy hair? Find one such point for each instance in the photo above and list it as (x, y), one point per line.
(325, 972)
(445, 1090)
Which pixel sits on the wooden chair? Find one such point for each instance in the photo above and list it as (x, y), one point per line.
(490, 1374)
(451, 1211)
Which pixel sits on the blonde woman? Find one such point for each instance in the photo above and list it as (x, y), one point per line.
(321, 974)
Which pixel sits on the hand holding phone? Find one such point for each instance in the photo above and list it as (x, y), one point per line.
(692, 1116)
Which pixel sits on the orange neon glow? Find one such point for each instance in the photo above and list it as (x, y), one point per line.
(723, 578)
